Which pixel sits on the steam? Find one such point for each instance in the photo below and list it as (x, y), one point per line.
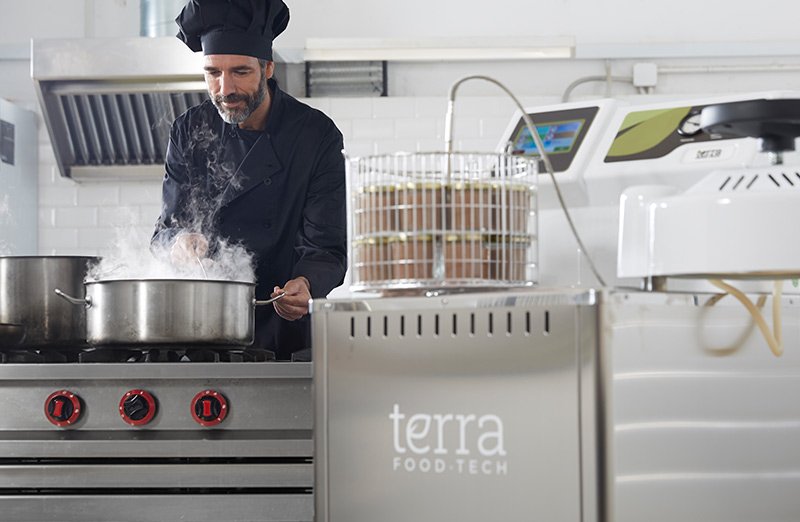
(132, 257)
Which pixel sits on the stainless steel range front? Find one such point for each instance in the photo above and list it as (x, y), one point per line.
(156, 435)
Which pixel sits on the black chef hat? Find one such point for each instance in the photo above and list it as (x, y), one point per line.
(244, 27)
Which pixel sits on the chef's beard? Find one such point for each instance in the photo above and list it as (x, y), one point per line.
(251, 103)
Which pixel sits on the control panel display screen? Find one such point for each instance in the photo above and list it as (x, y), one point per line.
(557, 137)
(561, 132)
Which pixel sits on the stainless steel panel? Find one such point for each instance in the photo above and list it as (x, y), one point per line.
(104, 475)
(68, 59)
(83, 87)
(85, 115)
(135, 143)
(463, 407)
(158, 508)
(161, 116)
(58, 116)
(179, 103)
(702, 421)
(269, 410)
(109, 155)
(144, 127)
(78, 135)
(117, 129)
(274, 443)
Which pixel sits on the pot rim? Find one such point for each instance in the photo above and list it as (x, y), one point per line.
(49, 257)
(165, 279)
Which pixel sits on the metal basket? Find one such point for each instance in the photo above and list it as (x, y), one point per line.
(437, 220)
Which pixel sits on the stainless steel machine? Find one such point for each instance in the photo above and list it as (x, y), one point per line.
(641, 400)
(569, 406)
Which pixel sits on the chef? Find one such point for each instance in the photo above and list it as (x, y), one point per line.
(252, 165)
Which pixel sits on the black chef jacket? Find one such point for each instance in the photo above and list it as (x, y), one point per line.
(280, 192)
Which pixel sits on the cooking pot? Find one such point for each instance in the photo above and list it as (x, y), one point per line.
(168, 311)
(26, 298)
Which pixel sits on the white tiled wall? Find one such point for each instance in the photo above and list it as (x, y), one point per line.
(86, 218)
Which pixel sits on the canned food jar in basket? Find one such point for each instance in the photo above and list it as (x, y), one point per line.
(420, 207)
(465, 257)
(375, 210)
(507, 258)
(452, 214)
(371, 260)
(514, 203)
(473, 207)
(412, 257)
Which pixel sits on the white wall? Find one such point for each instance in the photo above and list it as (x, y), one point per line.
(83, 218)
(590, 21)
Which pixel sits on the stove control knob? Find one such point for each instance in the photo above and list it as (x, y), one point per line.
(137, 407)
(63, 408)
(209, 408)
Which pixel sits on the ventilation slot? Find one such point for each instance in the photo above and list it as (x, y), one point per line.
(774, 180)
(788, 180)
(508, 322)
(121, 129)
(738, 183)
(721, 187)
(752, 181)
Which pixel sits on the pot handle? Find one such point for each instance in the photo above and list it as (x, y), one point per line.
(86, 301)
(268, 301)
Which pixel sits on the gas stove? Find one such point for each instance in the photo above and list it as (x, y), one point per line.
(154, 433)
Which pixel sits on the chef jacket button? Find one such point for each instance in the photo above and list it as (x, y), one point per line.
(267, 224)
(268, 181)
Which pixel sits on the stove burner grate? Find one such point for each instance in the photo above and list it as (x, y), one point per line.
(137, 354)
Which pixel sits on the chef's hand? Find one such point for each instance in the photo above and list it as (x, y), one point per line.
(188, 248)
(295, 304)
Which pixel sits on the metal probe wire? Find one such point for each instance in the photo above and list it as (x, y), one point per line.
(448, 130)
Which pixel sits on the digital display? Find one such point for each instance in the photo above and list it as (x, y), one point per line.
(557, 137)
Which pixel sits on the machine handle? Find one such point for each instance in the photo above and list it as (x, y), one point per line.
(86, 301)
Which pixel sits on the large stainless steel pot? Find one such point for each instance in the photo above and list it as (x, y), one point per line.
(27, 299)
(169, 311)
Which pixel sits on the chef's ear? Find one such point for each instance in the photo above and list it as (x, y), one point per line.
(269, 69)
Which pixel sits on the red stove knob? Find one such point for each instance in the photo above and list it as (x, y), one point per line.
(209, 408)
(62, 408)
(137, 407)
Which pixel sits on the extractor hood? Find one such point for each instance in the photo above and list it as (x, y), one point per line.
(108, 103)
